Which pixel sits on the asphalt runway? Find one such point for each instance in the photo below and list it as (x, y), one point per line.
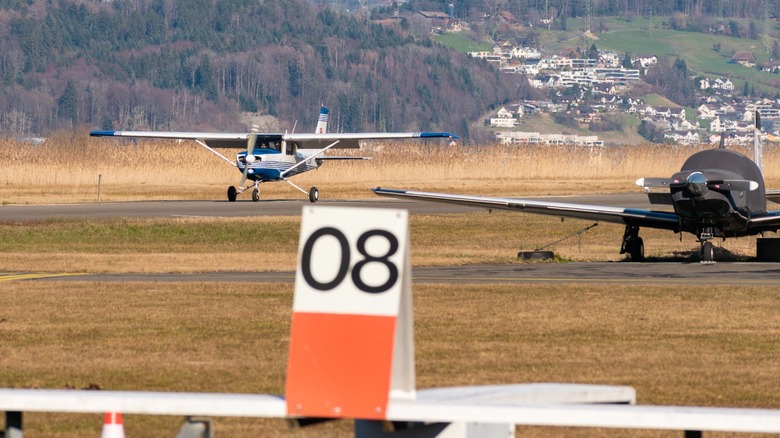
(225, 209)
(761, 274)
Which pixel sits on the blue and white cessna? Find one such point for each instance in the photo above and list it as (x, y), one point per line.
(276, 157)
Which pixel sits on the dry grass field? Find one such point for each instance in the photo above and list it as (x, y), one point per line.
(710, 346)
(698, 345)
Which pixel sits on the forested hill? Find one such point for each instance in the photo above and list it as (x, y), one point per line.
(199, 64)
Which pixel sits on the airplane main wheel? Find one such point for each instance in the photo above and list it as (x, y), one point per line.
(255, 195)
(314, 194)
(232, 193)
(636, 249)
(707, 252)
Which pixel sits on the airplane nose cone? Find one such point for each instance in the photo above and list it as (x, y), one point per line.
(697, 183)
(250, 158)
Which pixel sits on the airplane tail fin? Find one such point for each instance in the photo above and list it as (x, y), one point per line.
(322, 123)
(757, 148)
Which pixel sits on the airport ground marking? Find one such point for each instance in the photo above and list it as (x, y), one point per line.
(12, 276)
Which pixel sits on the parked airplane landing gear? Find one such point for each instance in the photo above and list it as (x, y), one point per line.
(256, 194)
(633, 244)
(314, 194)
(707, 252)
(232, 193)
(636, 249)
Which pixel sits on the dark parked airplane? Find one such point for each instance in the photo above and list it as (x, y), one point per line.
(718, 193)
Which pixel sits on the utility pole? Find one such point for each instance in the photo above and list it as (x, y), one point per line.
(589, 16)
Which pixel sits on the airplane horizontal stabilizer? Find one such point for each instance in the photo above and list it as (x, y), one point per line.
(654, 182)
(341, 158)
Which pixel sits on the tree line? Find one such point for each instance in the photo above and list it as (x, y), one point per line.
(197, 64)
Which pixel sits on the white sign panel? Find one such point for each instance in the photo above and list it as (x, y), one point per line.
(351, 260)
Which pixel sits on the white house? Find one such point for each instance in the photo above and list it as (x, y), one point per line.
(705, 111)
(503, 119)
(687, 137)
(645, 61)
(525, 53)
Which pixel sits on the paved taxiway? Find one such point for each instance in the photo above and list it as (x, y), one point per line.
(733, 274)
(108, 210)
(612, 272)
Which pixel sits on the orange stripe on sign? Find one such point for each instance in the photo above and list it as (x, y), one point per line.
(339, 365)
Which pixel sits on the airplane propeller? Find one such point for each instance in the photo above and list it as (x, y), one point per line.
(249, 158)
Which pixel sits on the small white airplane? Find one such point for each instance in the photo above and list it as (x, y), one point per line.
(276, 157)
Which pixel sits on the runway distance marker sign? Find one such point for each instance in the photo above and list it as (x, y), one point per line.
(351, 346)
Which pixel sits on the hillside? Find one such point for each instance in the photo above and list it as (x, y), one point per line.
(202, 65)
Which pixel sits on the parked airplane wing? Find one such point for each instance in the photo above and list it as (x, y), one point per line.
(773, 195)
(768, 221)
(630, 216)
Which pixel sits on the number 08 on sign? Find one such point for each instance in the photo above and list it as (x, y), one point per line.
(350, 344)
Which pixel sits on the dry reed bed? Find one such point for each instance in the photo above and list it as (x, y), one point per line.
(67, 166)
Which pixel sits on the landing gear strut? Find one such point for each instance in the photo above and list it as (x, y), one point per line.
(633, 244)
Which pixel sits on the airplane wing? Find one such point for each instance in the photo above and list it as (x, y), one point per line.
(352, 141)
(773, 195)
(305, 141)
(213, 139)
(628, 216)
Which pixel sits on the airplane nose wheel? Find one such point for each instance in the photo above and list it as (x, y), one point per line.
(255, 194)
(232, 193)
(707, 252)
(314, 194)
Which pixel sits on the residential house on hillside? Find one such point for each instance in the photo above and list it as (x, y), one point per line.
(526, 53)
(670, 112)
(507, 17)
(608, 58)
(518, 137)
(644, 61)
(683, 137)
(504, 119)
(746, 59)
(772, 66)
(716, 84)
(437, 19)
(706, 111)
